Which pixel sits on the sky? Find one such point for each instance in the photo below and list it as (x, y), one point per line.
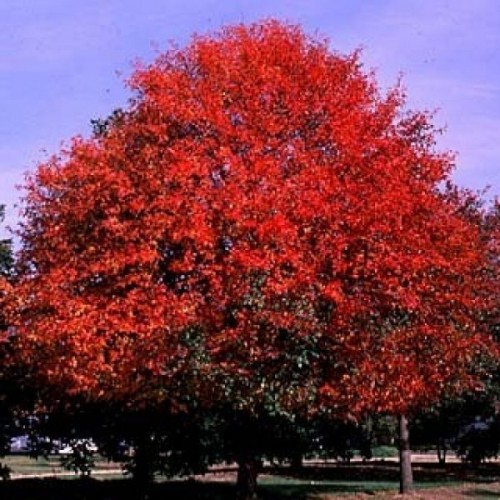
(63, 63)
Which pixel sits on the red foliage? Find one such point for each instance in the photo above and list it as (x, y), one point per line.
(262, 193)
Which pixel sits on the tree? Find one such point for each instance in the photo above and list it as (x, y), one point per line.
(6, 416)
(491, 229)
(468, 422)
(6, 257)
(262, 230)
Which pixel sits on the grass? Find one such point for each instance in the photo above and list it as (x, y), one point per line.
(21, 465)
(91, 489)
(269, 489)
(296, 489)
(378, 480)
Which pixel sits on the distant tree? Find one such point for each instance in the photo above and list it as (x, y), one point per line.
(449, 425)
(6, 257)
(6, 415)
(261, 231)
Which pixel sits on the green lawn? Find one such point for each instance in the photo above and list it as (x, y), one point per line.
(269, 489)
(313, 483)
(24, 465)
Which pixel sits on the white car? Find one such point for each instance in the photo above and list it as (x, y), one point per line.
(70, 447)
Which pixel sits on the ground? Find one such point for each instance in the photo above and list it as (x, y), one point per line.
(466, 491)
(317, 481)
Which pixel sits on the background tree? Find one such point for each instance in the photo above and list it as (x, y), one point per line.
(467, 423)
(261, 230)
(6, 386)
(6, 257)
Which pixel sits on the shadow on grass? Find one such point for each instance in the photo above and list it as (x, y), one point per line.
(119, 489)
(91, 489)
(306, 491)
(284, 484)
(389, 472)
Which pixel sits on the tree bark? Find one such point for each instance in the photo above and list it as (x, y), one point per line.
(296, 462)
(246, 482)
(142, 466)
(405, 471)
(441, 452)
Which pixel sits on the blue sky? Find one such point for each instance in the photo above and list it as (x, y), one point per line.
(62, 63)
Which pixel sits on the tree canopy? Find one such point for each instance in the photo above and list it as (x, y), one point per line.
(261, 227)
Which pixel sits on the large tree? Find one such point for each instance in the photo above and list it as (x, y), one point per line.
(261, 229)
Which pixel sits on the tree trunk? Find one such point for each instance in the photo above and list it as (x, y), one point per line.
(441, 452)
(246, 482)
(296, 462)
(142, 467)
(405, 472)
